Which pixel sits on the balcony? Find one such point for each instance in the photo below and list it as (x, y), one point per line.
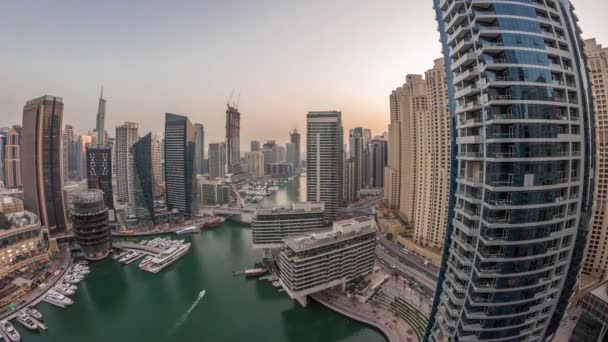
(464, 60)
(466, 75)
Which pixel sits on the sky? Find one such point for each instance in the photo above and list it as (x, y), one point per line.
(278, 58)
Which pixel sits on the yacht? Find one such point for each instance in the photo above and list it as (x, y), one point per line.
(187, 230)
(33, 312)
(10, 331)
(166, 258)
(63, 290)
(54, 295)
(127, 259)
(71, 280)
(26, 320)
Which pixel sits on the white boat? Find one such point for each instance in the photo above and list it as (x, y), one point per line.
(201, 294)
(33, 312)
(145, 261)
(71, 280)
(129, 258)
(63, 290)
(83, 262)
(166, 258)
(10, 331)
(59, 297)
(187, 230)
(26, 320)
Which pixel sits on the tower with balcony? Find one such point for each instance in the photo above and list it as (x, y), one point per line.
(523, 161)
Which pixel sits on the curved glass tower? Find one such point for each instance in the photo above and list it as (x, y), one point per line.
(523, 169)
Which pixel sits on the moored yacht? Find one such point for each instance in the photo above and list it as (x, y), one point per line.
(10, 331)
(166, 258)
(25, 320)
(33, 312)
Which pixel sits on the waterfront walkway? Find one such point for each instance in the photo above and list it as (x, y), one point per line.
(37, 294)
(393, 329)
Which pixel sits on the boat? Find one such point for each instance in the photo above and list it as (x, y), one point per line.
(54, 295)
(145, 261)
(214, 222)
(27, 321)
(83, 262)
(187, 230)
(276, 284)
(129, 258)
(166, 258)
(10, 331)
(255, 272)
(33, 312)
(63, 290)
(202, 294)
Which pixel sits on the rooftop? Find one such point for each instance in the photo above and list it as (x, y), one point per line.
(601, 291)
(342, 230)
(295, 207)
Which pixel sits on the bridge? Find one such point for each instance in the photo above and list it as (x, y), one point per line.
(135, 246)
(243, 215)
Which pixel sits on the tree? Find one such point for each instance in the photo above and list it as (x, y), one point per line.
(389, 236)
(4, 222)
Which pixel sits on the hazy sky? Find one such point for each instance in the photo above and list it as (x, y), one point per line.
(284, 58)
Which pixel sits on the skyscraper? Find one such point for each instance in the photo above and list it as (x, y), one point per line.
(233, 137)
(270, 152)
(126, 136)
(294, 138)
(157, 172)
(217, 160)
(180, 176)
(392, 172)
(521, 203)
(141, 183)
(357, 151)
(199, 141)
(325, 159)
(255, 146)
(377, 157)
(42, 163)
(80, 154)
(596, 261)
(12, 159)
(91, 230)
(290, 152)
(101, 120)
(255, 163)
(99, 172)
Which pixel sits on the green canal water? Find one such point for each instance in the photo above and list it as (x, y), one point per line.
(121, 303)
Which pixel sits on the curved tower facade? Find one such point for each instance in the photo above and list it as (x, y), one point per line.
(522, 180)
(90, 220)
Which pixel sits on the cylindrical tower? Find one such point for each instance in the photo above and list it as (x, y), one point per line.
(90, 221)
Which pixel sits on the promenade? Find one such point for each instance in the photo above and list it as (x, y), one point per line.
(37, 294)
(394, 329)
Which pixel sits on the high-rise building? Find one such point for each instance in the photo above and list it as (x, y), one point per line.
(324, 259)
(270, 152)
(414, 109)
(217, 160)
(349, 180)
(255, 163)
(180, 176)
(157, 172)
(521, 203)
(270, 226)
(377, 159)
(357, 151)
(255, 146)
(290, 153)
(294, 138)
(141, 180)
(325, 159)
(80, 154)
(233, 137)
(126, 136)
(392, 172)
(280, 154)
(12, 158)
(199, 141)
(42, 162)
(100, 122)
(90, 219)
(70, 154)
(596, 261)
(99, 172)
(592, 322)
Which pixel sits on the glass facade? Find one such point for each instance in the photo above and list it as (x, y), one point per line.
(520, 202)
(143, 196)
(99, 172)
(179, 153)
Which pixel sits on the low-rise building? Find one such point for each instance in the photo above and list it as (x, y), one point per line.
(270, 226)
(23, 244)
(592, 323)
(10, 205)
(317, 261)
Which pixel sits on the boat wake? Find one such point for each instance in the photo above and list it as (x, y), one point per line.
(186, 314)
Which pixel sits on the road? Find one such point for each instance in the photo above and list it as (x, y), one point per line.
(427, 285)
(409, 259)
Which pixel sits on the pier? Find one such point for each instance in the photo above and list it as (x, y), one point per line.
(129, 246)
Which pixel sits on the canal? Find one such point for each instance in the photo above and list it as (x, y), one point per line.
(122, 303)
